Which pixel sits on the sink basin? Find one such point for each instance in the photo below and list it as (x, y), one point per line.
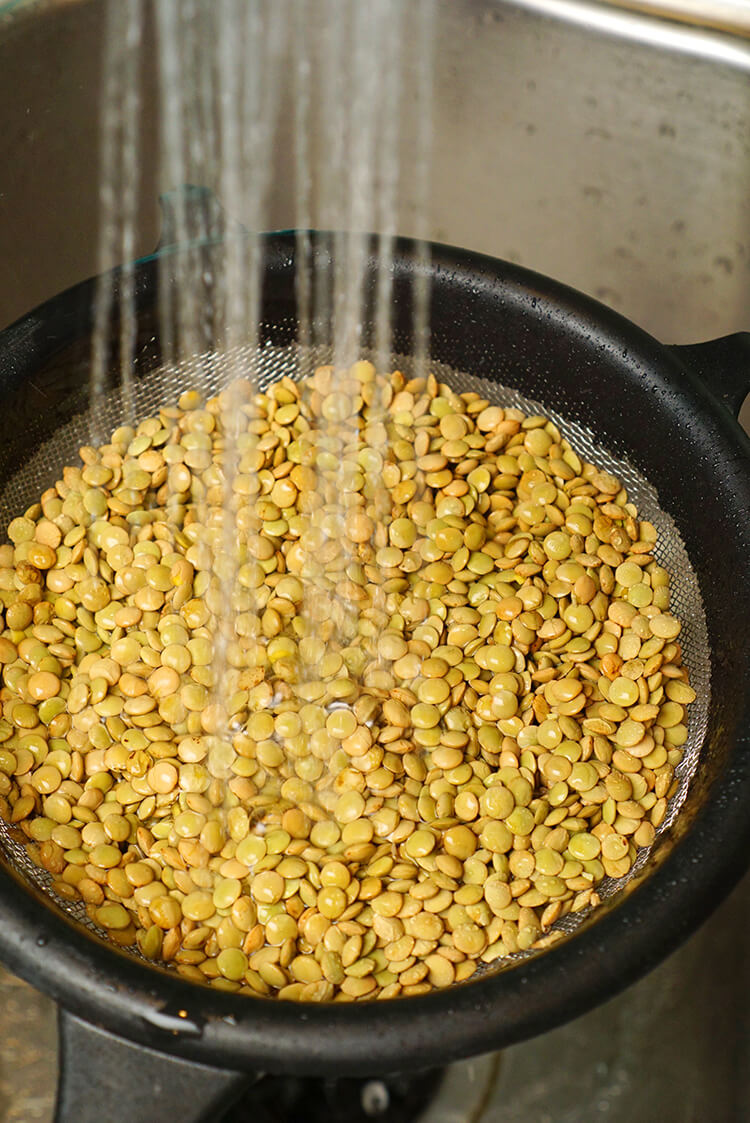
(604, 147)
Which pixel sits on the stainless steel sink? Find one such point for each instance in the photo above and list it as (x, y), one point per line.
(607, 148)
(604, 147)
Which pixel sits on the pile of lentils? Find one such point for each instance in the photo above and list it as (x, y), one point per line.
(337, 691)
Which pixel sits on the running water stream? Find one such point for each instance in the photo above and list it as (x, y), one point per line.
(118, 191)
(237, 80)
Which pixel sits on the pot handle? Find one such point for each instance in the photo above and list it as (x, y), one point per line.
(103, 1077)
(723, 365)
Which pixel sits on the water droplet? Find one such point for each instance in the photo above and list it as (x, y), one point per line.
(177, 1022)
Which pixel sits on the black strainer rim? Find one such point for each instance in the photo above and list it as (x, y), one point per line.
(160, 1009)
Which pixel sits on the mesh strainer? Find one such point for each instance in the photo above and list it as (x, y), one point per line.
(628, 403)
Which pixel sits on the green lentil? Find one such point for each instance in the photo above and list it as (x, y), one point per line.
(450, 698)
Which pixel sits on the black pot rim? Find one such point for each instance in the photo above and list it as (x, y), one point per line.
(162, 1010)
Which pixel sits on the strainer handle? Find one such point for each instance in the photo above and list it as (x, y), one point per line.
(105, 1079)
(723, 365)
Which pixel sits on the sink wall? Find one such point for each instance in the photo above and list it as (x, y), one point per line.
(608, 149)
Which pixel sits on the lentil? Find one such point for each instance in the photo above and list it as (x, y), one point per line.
(405, 718)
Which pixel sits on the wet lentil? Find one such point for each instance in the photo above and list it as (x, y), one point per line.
(444, 702)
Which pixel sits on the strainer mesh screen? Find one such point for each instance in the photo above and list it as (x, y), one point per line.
(211, 372)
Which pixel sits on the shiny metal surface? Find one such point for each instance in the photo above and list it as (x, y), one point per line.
(661, 16)
(726, 15)
(604, 148)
